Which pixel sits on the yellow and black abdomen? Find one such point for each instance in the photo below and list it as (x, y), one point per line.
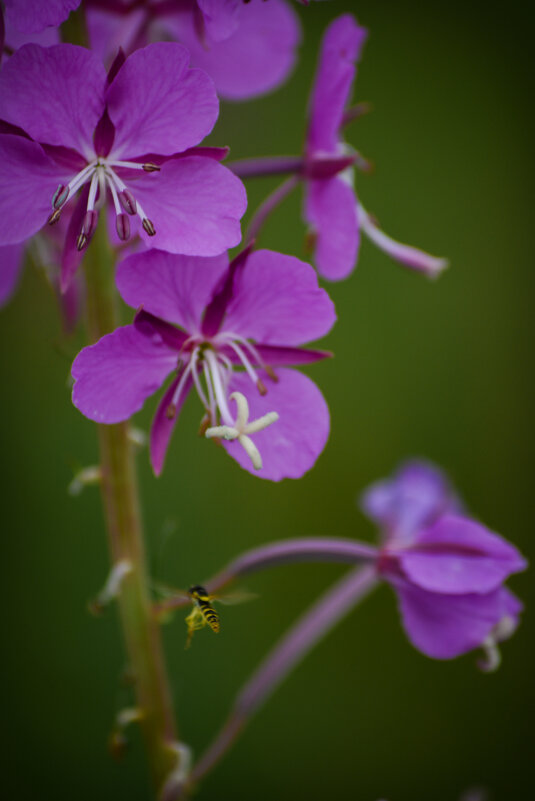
(204, 603)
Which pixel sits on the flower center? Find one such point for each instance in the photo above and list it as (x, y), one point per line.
(101, 174)
(210, 366)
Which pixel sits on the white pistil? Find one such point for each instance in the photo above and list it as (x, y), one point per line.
(241, 428)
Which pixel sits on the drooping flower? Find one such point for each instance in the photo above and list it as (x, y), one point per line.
(247, 48)
(446, 569)
(331, 207)
(240, 327)
(130, 135)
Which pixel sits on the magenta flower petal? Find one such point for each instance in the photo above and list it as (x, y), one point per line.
(28, 180)
(276, 299)
(457, 556)
(158, 104)
(341, 48)
(115, 375)
(331, 210)
(163, 425)
(30, 16)
(277, 356)
(221, 17)
(255, 59)
(175, 288)
(446, 626)
(11, 262)
(195, 204)
(55, 94)
(290, 446)
(413, 499)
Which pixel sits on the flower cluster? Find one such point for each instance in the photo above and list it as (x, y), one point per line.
(109, 138)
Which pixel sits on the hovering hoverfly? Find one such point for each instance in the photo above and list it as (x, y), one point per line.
(203, 612)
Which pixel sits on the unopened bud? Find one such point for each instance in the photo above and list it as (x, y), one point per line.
(122, 223)
(128, 201)
(148, 226)
(150, 167)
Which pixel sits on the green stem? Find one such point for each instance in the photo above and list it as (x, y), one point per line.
(121, 508)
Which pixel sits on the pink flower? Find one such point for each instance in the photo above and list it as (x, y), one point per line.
(240, 327)
(247, 48)
(331, 206)
(130, 135)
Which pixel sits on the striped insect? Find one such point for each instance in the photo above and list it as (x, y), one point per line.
(202, 614)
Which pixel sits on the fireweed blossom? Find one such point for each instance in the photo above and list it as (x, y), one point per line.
(333, 212)
(247, 48)
(131, 135)
(447, 570)
(239, 328)
(331, 207)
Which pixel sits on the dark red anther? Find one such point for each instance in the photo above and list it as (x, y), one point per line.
(148, 225)
(54, 217)
(128, 201)
(90, 223)
(122, 224)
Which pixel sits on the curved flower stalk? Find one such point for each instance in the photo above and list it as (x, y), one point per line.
(447, 570)
(80, 130)
(254, 315)
(326, 169)
(247, 48)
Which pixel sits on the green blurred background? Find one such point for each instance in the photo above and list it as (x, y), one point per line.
(440, 370)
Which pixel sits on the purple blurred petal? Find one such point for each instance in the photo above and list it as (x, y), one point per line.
(255, 59)
(56, 94)
(71, 257)
(290, 446)
(11, 263)
(175, 288)
(116, 374)
(457, 556)
(108, 31)
(30, 16)
(158, 104)
(195, 204)
(162, 425)
(445, 626)
(221, 17)
(277, 300)
(341, 48)
(14, 39)
(411, 257)
(28, 180)
(331, 210)
(417, 495)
